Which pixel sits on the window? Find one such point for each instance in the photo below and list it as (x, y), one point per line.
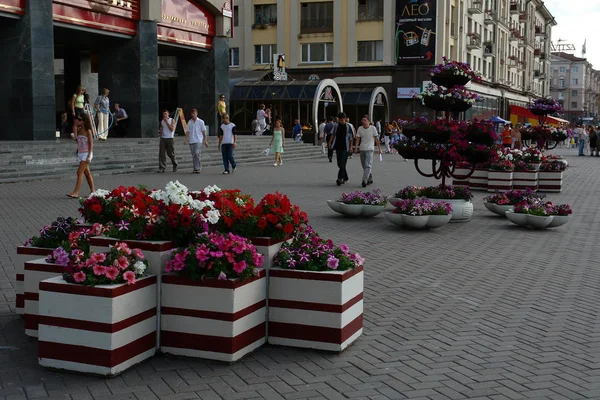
(316, 17)
(561, 83)
(234, 57)
(370, 51)
(265, 14)
(370, 10)
(236, 19)
(575, 69)
(562, 70)
(317, 52)
(263, 53)
(575, 81)
(574, 93)
(573, 104)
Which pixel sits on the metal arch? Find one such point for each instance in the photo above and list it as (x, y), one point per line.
(376, 91)
(320, 88)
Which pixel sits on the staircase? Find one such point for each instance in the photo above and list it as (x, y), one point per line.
(32, 160)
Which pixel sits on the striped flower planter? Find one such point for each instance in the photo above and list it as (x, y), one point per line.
(35, 272)
(213, 319)
(24, 254)
(460, 172)
(101, 330)
(479, 179)
(268, 247)
(550, 181)
(315, 310)
(523, 180)
(157, 253)
(499, 180)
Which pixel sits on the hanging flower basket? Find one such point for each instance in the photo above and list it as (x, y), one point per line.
(435, 103)
(411, 154)
(428, 135)
(540, 112)
(449, 80)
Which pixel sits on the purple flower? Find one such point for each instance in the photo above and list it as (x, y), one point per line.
(333, 262)
(123, 225)
(344, 248)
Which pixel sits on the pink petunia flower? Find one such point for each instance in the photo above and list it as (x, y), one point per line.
(202, 253)
(239, 267)
(138, 253)
(99, 269)
(333, 262)
(79, 277)
(129, 276)
(98, 258)
(112, 273)
(121, 262)
(122, 246)
(344, 248)
(222, 276)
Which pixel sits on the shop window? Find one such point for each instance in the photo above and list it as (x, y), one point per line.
(263, 53)
(370, 10)
(236, 19)
(317, 52)
(370, 50)
(316, 17)
(265, 14)
(234, 57)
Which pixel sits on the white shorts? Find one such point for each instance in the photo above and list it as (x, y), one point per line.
(83, 156)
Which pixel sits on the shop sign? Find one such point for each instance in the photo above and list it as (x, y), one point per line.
(12, 6)
(407, 92)
(226, 10)
(109, 15)
(187, 23)
(415, 31)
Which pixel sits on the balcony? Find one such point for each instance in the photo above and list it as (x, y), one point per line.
(514, 35)
(319, 25)
(539, 74)
(511, 62)
(473, 41)
(542, 55)
(521, 65)
(488, 49)
(522, 41)
(523, 17)
(537, 52)
(475, 7)
(490, 17)
(514, 8)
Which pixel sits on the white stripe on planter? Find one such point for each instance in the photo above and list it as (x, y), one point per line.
(36, 271)
(25, 254)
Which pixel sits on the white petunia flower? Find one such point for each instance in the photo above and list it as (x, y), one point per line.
(139, 267)
(99, 193)
(213, 216)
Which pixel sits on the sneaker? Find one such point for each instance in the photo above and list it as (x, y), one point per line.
(225, 172)
(175, 169)
(338, 182)
(160, 171)
(364, 184)
(369, 183)
(280, 162)
(233, 170)
(275, 164)
(195, 172)
(330, 160)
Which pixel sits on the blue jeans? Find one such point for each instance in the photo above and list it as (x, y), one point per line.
(227, 153)
(581, 146)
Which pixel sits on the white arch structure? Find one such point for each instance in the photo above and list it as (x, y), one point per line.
(316, 101)
(374, 94)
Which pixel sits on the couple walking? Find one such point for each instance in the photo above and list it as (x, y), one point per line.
(195, 136)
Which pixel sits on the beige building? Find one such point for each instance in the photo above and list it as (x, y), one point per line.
(354, 43)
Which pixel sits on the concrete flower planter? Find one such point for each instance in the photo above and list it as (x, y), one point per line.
(461, 172)
(213, 319)
(315, 310)
(355, 210)
(479, 180)
(462, 210)
(523, 180)
(101, 330)
(550, 181)
(36, 271)
(268, 247)
(25, 254)
(500, 180)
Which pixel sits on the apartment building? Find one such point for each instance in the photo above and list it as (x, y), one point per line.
(356, 44)
(575, 84)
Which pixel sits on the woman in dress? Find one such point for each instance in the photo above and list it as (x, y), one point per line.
(278, 142)
(82, 133)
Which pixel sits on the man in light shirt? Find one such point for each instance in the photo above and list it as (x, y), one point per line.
(196, 135)
(166, 132)
(367, 136)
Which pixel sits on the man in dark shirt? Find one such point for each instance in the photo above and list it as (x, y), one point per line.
(340, 142)
(329, 127)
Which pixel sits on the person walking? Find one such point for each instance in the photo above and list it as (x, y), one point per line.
(367, 136)
(322, 135)
(102, 107)
(227, 141)
(341, 142)
(593, 137)
(82, 133)
(167, 142)
(261, 116)
(196, 137)
(221, 108)
(278, 142)
(582, 138)
(516, 137)
(329, 127)
(507, 136)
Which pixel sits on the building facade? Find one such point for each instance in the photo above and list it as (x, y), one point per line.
(575, 84)
(52, 46)
(372, 43)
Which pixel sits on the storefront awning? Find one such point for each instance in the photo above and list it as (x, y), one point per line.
(274, 90)
(248, 76)
(356, 96)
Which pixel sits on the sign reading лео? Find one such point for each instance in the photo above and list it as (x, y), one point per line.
(415, 31)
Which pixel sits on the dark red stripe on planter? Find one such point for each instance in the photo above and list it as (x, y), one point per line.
(31, 296)
(217, 344)
(47, 267)
(96, 291)
(31, 322)
(267, 241)
(134, 244)
(96, 326)
(94, 356)
(315, 333)
(220, 316)
(314, 276)
(212, 283)
(34, 251)
(20, 301)
(20, 277)
(303, 305)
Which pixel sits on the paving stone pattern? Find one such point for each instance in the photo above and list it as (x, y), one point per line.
(478, 310)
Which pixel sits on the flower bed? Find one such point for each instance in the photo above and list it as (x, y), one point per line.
(458, 196)
(360, 204)
(539, 214)
(420, 213)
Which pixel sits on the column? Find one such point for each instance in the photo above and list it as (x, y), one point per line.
(130, 71)
(338, 40)
(351, 52)
(294, 58)
(389, 30)
(27, 105)
(201, 78)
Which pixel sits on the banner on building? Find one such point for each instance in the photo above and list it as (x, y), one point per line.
(415, 31)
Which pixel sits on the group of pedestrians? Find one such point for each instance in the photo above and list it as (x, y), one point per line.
(585, 137)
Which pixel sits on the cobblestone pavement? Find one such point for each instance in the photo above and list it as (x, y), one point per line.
(479, 310)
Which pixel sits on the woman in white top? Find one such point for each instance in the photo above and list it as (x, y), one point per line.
(261, 116)
(227, 140)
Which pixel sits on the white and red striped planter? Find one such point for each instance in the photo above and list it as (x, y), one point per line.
(523, 180)
(213, 319)
(268, 248)
(35, 272)
(500, 180)
(550, 181)
(479, 179)
(461, 172)
(101, 330)
(315, 310)
(24, 254)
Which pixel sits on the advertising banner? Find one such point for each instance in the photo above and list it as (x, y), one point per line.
(415, 31)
